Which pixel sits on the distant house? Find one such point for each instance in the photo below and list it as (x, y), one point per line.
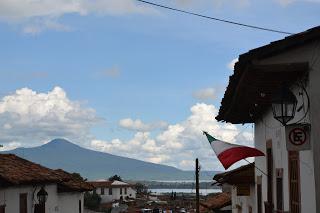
(242, 186)
(113, 190)
(27, 187)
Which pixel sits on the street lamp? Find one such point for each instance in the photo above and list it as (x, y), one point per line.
(42, 195)
(284, 104)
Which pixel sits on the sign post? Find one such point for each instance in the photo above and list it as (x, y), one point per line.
(298, 137)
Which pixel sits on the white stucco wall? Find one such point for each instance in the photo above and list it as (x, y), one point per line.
(11, 196)
(268, 128)
(56, 202)
(69, 202)
(106, 198)
(242, 201)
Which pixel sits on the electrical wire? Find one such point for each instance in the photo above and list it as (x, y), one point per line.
(216, 19)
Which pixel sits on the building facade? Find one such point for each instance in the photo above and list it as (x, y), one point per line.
(288, 178)
(21, 181)
(110, 191)
(240, 184)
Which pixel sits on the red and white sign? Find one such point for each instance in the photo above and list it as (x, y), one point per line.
(298, 137)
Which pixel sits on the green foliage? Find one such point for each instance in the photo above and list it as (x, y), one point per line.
(78, 176)
(92, 200)
(141, 188)
(115, 177)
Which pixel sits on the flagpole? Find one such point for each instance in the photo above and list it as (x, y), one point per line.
(197, 187)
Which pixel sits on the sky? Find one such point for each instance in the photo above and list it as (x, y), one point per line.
(126, 78)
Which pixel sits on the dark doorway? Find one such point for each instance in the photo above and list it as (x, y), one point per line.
(23, 203)
(80, 206)
(2, 209)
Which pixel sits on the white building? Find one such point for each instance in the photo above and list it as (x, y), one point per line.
(21, 180)
(241, 184)
(290, 181)
(110, 191)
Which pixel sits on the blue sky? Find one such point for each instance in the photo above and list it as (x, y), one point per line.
(111, 60)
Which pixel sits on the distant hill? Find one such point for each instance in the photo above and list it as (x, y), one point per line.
(60, 153)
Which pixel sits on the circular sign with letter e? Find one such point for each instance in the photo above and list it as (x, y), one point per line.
(297, 136)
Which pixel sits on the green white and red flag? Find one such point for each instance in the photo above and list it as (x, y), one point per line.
(229, 153)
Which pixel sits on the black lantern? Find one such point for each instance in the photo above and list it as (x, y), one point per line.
(42, 195)
(284, 105)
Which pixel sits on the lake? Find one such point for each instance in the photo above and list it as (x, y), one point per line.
(202, 191)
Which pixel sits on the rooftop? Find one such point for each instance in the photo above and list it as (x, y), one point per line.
(241, 175)
(109, 184)
(217, 201)
(254, 84)
(18, 171)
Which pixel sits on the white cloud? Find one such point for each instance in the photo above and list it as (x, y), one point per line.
(231, 64)
(205, 94)
(285, 2)
(9, 146)
(179, 144)
(288, 2)
(40, 15)
(39, 25)
(138, 125)
(24, 9)
(213, 3)
(30, 117)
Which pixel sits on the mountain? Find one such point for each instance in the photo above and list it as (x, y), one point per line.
(60, 153)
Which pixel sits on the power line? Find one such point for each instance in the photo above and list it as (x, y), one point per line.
(216, 19)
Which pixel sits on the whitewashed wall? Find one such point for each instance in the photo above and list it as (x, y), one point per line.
(62, 202)
(69, 202)
(242, 201)
(268, 128)
(10, 197)
(106, 198)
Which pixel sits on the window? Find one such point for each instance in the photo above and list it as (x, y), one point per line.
(80, 206)
(294, 182)
(279, 188)
(121, 191)
(23, 203)
(102, 191)
(270, 174)
(110, 191)
(125, 191)
(243, 190)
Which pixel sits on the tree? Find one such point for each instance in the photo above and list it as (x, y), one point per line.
(78, 176)
(115, 177)
(92, 200)
(141, 188)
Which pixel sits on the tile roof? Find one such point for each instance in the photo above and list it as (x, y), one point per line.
(242, 175)
(18, 171)
(99, 184)
(110, 184)
(217, 201)
(71, 183)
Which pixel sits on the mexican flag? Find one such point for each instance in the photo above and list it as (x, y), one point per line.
(229, 153)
